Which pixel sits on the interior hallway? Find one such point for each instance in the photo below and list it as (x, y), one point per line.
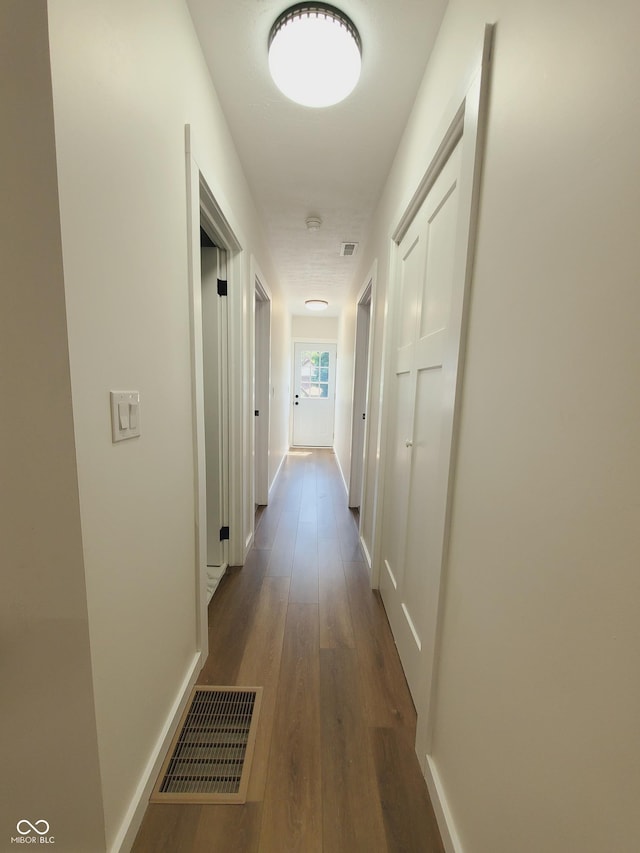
(334, 768)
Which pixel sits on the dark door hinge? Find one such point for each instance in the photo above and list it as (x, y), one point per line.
(224, 533)
(222, 287)
(257, 413)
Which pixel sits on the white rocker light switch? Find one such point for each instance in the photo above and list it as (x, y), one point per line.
(125, 415)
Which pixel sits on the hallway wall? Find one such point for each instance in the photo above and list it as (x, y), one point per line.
(538, 698)
(322, 328)
(49, 744)
(126, 79)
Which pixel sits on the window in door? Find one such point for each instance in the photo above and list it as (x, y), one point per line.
(314, 374)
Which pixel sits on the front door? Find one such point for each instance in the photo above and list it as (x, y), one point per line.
(416, 481)
(314, 394)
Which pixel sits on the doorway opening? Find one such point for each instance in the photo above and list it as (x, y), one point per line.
(359, 430)
(261, 393)
(215, 269)
(213, 285)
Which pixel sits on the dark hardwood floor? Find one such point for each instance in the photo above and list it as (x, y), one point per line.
(334, 769)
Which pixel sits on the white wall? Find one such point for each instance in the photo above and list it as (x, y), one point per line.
(538, 697)
(322, 328)
(49, 744)
(126, 79)
(536, 731)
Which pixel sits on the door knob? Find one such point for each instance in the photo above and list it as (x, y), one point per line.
(296, 403)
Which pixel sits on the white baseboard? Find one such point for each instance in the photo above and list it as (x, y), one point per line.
(367, 555)
(249, 541)
(441, 808)
(275, 476)
(214, 576)
(123, 841)
(344, 479)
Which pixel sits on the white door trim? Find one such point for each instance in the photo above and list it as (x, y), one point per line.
(362, 395)
(213, 267)
(260, 338)
(203, 204)
(464, 122)
(299, 340)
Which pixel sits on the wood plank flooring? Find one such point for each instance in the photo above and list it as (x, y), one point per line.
(334, 769)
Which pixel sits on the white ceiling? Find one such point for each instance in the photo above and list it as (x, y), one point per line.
(303, 162)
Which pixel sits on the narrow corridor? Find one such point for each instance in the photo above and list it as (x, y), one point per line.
(334, 768)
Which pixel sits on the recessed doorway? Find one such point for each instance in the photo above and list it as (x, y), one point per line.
(360, 396)
(262, 393)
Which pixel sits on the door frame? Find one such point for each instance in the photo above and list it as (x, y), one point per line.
(203, 205)
(464, 123)
(362, 389)
(260, 337)
(216, 400)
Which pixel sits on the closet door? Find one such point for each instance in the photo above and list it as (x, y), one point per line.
(418, 452)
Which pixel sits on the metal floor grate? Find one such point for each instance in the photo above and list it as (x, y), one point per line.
(210, 756)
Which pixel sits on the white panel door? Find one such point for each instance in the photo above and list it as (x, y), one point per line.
(360, 389)
(214, 335)
(416, 479)
(314, 394)
(262, 397)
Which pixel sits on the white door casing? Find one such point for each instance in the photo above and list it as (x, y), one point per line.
(214, 342)
(361, 375)
(262, 392)
(432, 262)
(414, 518)
(203, 209)
(314, 389)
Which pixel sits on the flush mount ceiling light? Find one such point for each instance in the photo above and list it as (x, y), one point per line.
(316, 304)
(313, 223)
(315, 54)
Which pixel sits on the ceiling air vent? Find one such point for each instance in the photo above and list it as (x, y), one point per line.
(348, 249)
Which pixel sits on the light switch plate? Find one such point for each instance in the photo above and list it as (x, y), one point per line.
(125, 415)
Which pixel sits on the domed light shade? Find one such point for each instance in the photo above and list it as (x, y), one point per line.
(316, 304)
(314, 54)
